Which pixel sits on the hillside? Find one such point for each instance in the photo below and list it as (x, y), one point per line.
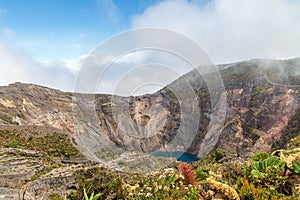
(262, 114)
(262, 97)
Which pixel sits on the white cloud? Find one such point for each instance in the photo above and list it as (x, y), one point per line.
(74, 64)
(8, 33)
(140, 72)
(17, 65)
(232, 30)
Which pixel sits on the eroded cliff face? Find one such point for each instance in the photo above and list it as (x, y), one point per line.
(140, 123)
(257, 115)
(260, 108)
(262, 102)
(28, 104)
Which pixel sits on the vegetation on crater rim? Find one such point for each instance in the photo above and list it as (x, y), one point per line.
(220, 175)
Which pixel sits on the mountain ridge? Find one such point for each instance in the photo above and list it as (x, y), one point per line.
(253, 89)
(45, 132)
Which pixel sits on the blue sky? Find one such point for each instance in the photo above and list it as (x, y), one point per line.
(56, 29)
(46, 41)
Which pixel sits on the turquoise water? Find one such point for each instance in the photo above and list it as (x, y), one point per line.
(180, 156)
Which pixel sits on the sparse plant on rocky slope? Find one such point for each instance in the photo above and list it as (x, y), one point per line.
(188, 173)
(92, 197)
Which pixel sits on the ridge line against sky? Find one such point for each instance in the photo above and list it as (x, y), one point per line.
(45, 41)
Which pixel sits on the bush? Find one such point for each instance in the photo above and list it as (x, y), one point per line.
(260, 156)
(269, 171)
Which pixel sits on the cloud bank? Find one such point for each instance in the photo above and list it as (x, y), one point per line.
(232, 30)
(17, 65)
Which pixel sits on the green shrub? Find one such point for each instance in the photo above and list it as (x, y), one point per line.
(296, 167)
(201, 173)
(98, 180)
(53, 144)
(219, 154)
(92, 197)
(269, 171)
(260, 156)
(249, 191)
(13, 144)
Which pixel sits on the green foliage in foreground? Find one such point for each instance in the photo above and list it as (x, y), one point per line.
(260, 156)
(269, 171)
(264, 177)
(92, 197)
(164, 185)
(296, 167)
